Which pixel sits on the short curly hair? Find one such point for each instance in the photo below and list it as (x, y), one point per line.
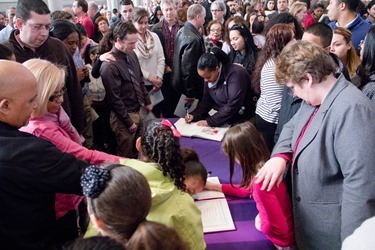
(161, 146)
(300, 58)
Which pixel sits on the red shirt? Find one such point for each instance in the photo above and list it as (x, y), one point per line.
(86, 21)
(275, 211)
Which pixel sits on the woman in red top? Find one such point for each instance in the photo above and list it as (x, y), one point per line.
(245, 145)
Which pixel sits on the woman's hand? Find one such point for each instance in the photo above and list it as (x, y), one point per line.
(213, 186)
(107, 57)
(157, 82)
(82, 73)
(271, 173)
(202, 123)
(189, 118)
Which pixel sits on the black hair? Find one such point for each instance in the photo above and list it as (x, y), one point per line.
(323, 31)
(83, 4)
(126, 2)
(361, 9)
(122, 29)
(81, 29)
(160, 145)
(60, 14)
(287, 18)
(367, 68)
(257, 27)
(212, 60)
(370, 4)
(114, 11)
(5, 52)
(193, 167)
(154, 18)
(61, 29)
(24, 8)
(352, 4)
(94, 243)
(106, 43)
(196, 168)
(307, 2)
(250, 47)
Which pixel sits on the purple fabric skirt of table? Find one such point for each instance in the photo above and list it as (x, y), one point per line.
(243, 210)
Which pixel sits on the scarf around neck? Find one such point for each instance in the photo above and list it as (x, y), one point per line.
(145, 48)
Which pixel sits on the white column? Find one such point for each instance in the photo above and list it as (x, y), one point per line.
(54, 5)
(112, 4)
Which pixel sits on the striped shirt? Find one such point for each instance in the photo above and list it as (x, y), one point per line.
(269, 102)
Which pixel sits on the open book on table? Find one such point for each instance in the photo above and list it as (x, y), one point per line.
(216, 216)
(193, 130)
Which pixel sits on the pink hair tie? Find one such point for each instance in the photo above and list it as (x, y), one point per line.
(173, 128)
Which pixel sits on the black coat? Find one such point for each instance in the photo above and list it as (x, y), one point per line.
(231, 98)
(188, 48)
(32, 170)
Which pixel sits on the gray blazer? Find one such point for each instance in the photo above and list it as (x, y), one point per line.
(333, 173)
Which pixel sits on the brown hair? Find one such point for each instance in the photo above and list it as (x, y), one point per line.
(153, 236)
(124, 203)
(352, 59)
(302, 57)
(101, 18)
(244, 143)
(277, 38)
(236, 20)
(212, 22)
(138, 14)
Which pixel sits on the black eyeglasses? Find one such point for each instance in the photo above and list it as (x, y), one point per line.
(54, 98)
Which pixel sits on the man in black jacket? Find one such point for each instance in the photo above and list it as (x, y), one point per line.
(31, 40)
(188, 48)
(32, 170)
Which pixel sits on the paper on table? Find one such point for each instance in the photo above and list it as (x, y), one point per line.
(193, 130)
(180, 110)
(208, 194)
(155, 97)
(215, 215)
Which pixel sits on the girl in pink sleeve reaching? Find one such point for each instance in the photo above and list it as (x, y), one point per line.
(243, 144)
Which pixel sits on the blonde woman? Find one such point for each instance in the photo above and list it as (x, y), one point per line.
(299, 11)
(50, 122)
(342, 46)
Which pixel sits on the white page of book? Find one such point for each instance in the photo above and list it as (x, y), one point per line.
(209, 194)
(204, 132)
(215, 215)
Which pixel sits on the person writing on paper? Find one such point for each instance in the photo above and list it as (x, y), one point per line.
(227, 89)
(150, 55)
(332, 161)
(162, 165)
(243, 144)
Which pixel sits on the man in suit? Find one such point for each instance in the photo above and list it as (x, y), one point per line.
(332, 160)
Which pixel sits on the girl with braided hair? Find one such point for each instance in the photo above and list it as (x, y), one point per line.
(119, 199)
(161, 163)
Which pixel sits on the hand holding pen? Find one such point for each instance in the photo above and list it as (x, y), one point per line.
(188, 118)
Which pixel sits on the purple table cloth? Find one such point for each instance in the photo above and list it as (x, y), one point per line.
(243, 210)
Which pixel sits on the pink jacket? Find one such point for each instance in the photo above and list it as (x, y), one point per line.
(275, 211)
(57, 129)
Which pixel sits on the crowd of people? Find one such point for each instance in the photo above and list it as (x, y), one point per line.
(295, 80)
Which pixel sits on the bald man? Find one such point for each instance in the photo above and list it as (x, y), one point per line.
(32, 170)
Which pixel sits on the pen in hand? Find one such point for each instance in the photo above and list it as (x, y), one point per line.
(187, 107)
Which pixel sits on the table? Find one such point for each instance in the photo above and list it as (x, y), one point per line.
(243, 210)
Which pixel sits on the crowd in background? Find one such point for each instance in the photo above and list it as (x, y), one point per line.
(98, 71)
